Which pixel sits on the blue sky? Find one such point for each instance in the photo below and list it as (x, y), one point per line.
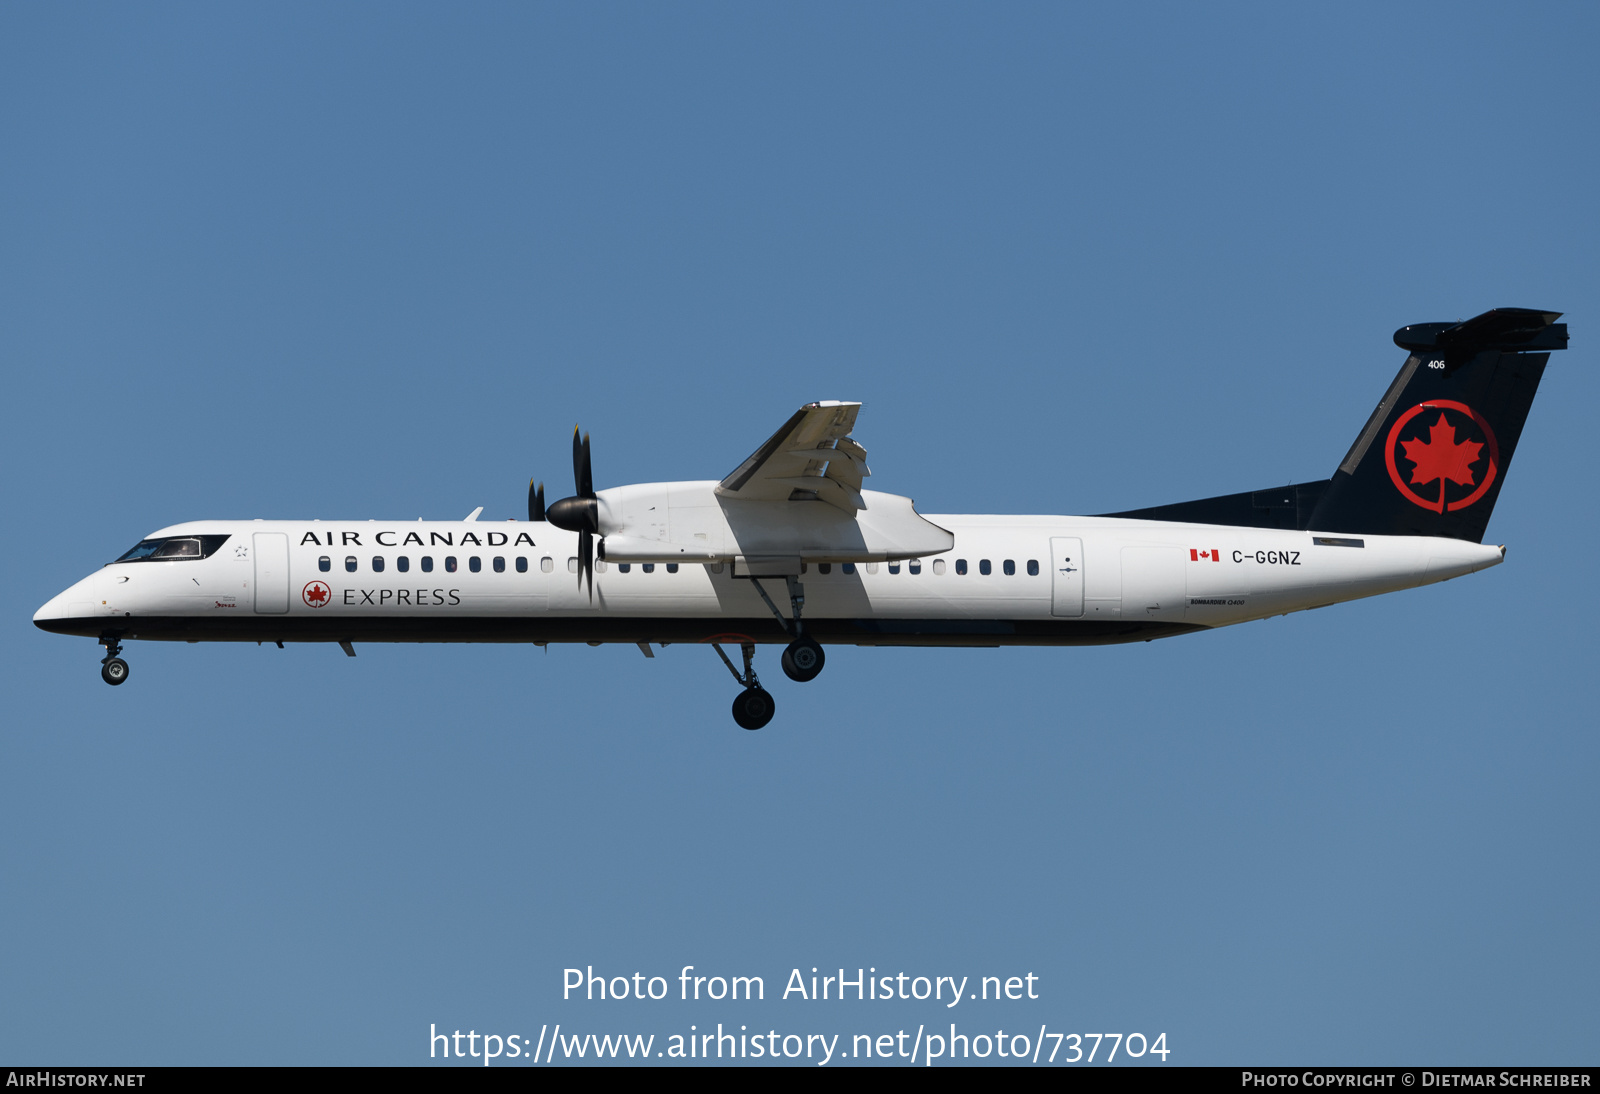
(376, 260)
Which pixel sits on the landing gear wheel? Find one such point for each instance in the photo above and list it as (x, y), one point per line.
(803, 659)
(753, 708)
(114, 670)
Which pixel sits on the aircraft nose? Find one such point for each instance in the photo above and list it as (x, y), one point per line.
(52, 611)
(76, 602)
(54, 608)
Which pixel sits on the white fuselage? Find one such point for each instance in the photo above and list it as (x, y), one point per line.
(1008, 580)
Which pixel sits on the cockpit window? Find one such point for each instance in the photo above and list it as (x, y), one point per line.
(143, 550)
(174, 549)
(178, 548)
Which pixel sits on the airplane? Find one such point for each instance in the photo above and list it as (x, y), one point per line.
(790, 548)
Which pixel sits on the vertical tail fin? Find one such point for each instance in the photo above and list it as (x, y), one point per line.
(1434, 455)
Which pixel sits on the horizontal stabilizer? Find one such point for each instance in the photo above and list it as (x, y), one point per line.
(1509, 330)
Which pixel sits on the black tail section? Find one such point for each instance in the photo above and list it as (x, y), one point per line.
(1434, 455)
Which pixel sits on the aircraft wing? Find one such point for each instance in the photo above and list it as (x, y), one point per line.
(811, 457)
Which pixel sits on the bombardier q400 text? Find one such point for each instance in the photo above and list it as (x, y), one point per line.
(790, 548)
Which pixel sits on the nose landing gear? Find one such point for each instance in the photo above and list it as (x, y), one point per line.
(753, 707)
(113, 669)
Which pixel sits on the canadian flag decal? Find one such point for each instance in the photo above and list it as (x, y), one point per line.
(1196, 556)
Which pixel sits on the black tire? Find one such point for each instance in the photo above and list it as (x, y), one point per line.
(753, 708)
(803, 659)
(114, 671)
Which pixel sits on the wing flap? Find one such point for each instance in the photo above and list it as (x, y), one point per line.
(811, 452)
(829, 490)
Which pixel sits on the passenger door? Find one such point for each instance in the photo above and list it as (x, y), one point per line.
(1066, 576)
(272, 572)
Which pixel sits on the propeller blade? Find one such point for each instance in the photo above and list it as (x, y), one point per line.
(582, 474)
(581, 512)
(535, 501)
(586, 560)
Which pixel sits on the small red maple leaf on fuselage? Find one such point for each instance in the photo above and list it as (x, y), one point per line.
(317, 594)
(1441, 457)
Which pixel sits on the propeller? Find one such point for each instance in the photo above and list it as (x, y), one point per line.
(581, 512)
(535, 501)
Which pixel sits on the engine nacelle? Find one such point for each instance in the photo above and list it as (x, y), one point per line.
(689, 522)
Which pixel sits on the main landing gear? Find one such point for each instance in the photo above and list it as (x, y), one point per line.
(753, 707)
(113, 669)
(802, 660)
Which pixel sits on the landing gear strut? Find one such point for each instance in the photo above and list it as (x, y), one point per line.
(113, 669)
(803, 658)
(753, 707)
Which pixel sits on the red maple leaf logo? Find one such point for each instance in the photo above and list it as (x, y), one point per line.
(316, 594)
(1441, 457)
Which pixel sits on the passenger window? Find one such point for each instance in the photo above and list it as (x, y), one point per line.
(984, 567)
(915, 566)
(1033, 567)
(377, 564)
(427, 564)
(600, 566)
(324, 563)
(450, 563)
(624, 567)
(894, 567)
(522, 564)
(648, 567)
(824, 567)
(1009, 567)
(961, 565)
(848, 567)
(499, 565)
(403, 563)
(716, 567)
(672, 567)
(572, 564)
(938, 566)
(546, 564)
(872, 567)
(350, 564)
